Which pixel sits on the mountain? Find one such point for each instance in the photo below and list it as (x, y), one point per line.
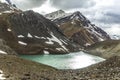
(31, 33)
(78, 28)
(55, 15)
(105, 49)
(115, 37)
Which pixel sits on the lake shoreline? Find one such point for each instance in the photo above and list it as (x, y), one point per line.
(75, 60)
(16, 68)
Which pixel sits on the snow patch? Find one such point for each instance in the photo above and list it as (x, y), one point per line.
(20, 36)
(29, 35)
(2, 52)
(9, 30)
(56, 15)
(46, 52)
(100, 39)
(55, 39)
(49, 42)
(10, 11)
(23, 43)
(59, 49)
(87, 44)
(73, 23)
(1, 75)
(40, 37)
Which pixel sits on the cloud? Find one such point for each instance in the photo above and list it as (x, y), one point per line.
(28, 4)
(114, 29)
(110, 18)
(45, 8)
(71, 4)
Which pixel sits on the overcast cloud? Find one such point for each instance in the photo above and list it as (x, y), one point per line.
(28, 4)
(71, 4)
(104, 13)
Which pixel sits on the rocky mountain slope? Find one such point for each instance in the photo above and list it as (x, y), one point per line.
(30, 33)
(5, 49)
(15, 68)
(5, 7)
(78, 28)
(105, 49)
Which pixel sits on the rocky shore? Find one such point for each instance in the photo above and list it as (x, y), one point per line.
(15, 68)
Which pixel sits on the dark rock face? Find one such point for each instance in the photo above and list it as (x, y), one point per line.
(79, 29)
(30, 33)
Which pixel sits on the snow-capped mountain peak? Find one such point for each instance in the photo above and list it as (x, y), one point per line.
(57, 14)
(61, 14)
(77, 15)
(79, 29)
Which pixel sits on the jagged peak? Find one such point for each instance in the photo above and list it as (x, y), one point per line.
(78, 16)
(56, 14)
(60, 11)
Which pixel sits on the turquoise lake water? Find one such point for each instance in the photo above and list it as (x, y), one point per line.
(68, 61)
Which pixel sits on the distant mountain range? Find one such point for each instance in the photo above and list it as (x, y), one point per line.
(115, 37)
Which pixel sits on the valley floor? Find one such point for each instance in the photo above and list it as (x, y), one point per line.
(15, 68)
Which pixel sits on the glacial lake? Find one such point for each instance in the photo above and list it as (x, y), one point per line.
(68, 61)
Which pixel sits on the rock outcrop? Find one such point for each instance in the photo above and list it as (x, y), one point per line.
(5, 49)
(78, 28)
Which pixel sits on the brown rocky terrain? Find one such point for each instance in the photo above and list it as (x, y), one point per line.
(15, 68)
(5, 49)
(105, 49)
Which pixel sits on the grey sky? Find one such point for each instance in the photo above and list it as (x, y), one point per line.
(100, 12)
(71, 4)
(28, 4)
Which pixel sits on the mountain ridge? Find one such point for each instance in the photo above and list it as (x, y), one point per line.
(78, 28)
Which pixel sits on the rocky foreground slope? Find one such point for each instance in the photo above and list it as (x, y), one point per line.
(5, 49)
(15, 68)
(105, 49)
(31, 33)
(78, 28)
